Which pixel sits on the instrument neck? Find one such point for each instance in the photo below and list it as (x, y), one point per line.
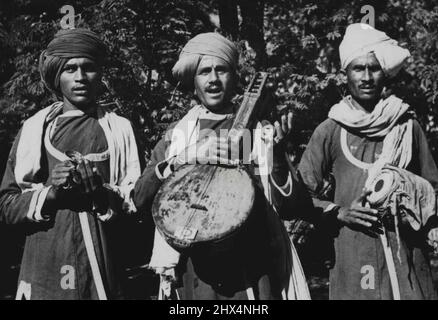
(245, 117)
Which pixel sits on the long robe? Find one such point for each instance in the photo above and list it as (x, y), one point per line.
(55, 263)
(250, 261)
(360, 270)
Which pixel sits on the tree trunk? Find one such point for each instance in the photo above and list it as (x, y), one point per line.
(228, 18)
(252, 28)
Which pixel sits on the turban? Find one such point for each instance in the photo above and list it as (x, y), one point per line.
(360, 39)
(68, 44)
(212, 44)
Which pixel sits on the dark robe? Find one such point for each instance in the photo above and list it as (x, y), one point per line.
(250, 260)
(359, 256)
(55, 261)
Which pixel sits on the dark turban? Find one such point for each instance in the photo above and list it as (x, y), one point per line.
(66, 45)
(211, 44)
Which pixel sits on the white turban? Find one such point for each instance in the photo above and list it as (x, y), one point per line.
(212, 44)
(360, 39)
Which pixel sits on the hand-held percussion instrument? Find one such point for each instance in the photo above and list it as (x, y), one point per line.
(98, 197)
(381, 188)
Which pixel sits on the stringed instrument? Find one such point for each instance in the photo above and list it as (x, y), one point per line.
(205, 203)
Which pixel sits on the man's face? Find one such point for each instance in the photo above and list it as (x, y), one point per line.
(365, 79)
(79, 82)
(214, 82)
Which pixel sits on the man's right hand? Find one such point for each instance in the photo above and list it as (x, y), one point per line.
(70, 181)
(62, 175)
(209, 150)
(360, 218)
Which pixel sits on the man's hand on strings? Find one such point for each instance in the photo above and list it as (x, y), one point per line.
(209, 150)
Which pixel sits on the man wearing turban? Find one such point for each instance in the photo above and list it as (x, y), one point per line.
(251, 269)
(379, 255)
(69, 175)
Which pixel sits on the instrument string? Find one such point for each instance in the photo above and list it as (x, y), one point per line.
(254, 89)
(202, 194)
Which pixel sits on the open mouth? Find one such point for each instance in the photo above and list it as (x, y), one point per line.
(214, 90)
(368, 89)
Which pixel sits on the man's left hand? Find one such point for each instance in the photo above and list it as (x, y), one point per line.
(280, 130)
(90, 180)
(283, 129)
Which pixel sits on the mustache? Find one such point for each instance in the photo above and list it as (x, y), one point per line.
(214, 86)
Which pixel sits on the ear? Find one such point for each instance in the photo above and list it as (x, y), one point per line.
(343, 72)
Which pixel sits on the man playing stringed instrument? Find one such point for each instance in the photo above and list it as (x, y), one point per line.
(259, 265)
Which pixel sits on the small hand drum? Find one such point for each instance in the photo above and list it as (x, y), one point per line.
(381, 187)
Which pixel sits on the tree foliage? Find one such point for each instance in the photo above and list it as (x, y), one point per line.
(144, 38)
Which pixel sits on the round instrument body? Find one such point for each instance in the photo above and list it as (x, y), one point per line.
(202, 204)
(381, 187)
